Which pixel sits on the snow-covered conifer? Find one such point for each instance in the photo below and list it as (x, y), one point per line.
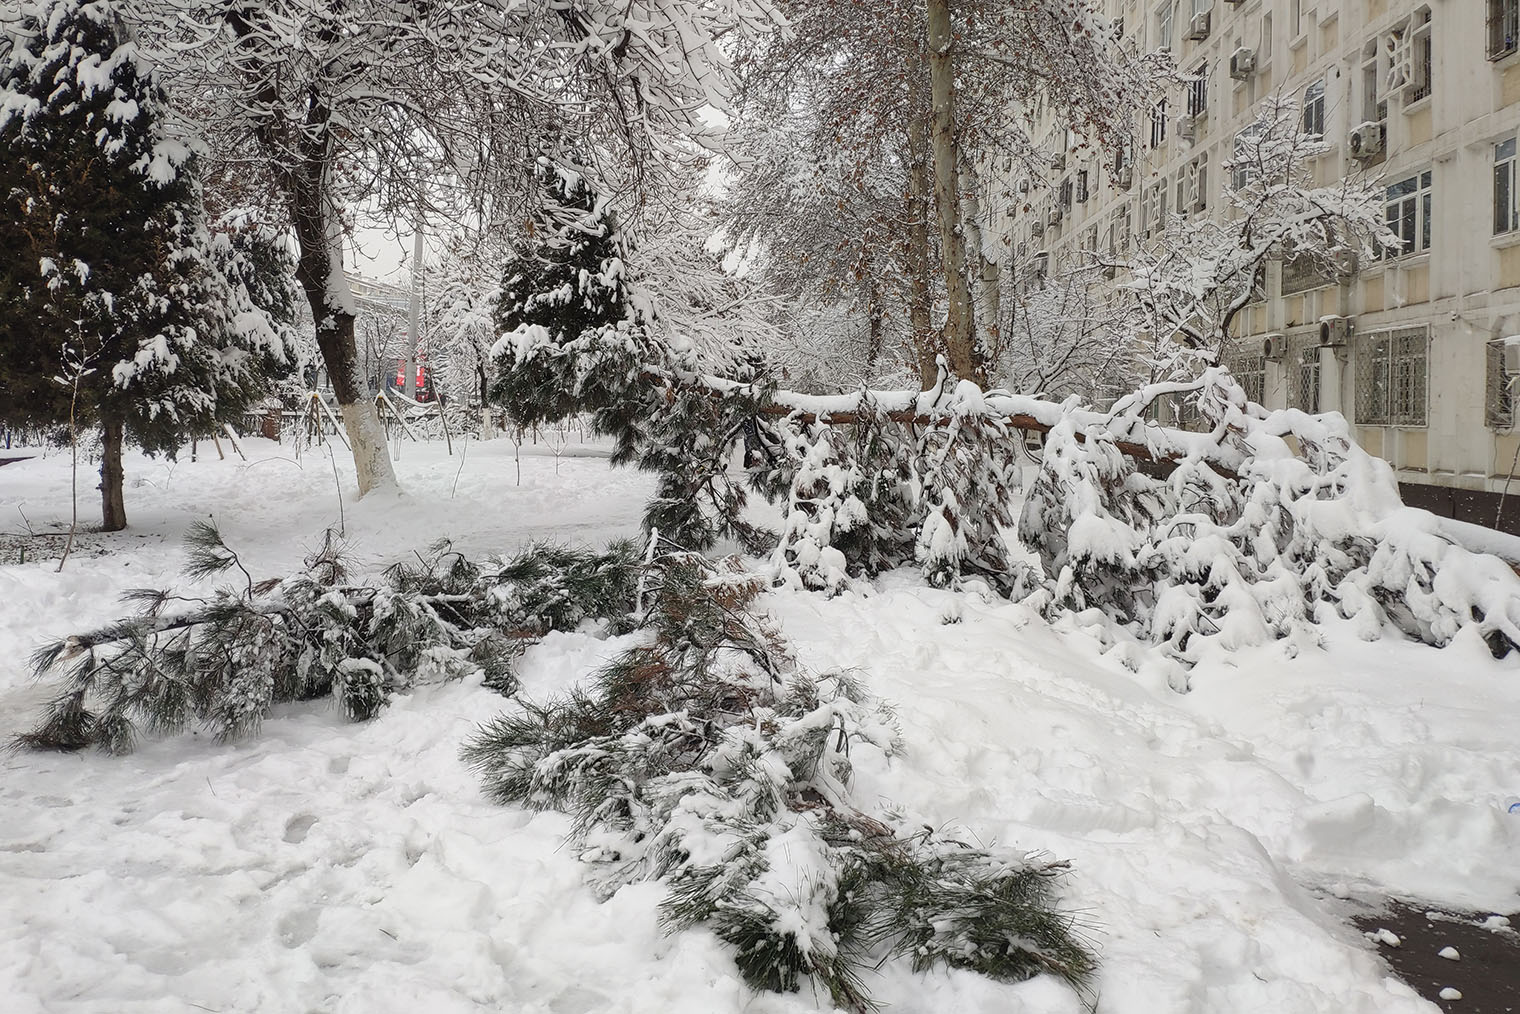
(110, 260)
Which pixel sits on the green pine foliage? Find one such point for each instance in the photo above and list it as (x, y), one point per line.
(703, 758)
(576, 340)
(222, 661)
(108, 259)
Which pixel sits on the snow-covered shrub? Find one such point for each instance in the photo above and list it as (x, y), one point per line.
(1209, 556)
(703, 758)
(225, 662)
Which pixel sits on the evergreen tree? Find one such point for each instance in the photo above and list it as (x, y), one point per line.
(110, 263)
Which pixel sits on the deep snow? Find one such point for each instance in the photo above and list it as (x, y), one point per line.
(356, 868)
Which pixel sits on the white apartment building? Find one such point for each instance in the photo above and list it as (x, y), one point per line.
(1425, 93)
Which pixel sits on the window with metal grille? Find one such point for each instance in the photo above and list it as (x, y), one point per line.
(1499, 400)
(1303, 372)
(1503, 28)
(1251, 373)
(1314, 109)
(1300, 273)
(1198, 91)
(1408, 49)
(1158, 123)
(1391, 370)
(1066, 192)
(1408, 208)
(1506, 218)
(1082, 186)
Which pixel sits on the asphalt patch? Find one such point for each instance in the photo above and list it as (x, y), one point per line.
(1485, 971)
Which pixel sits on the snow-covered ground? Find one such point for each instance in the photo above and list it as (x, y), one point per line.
(356, 868)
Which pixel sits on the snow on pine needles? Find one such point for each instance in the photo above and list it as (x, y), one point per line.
(359, 867)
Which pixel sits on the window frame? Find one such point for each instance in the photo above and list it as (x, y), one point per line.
(1502, 29)
(1312, 109)
(1391, 368)
(1416, 205)
(1506, 202)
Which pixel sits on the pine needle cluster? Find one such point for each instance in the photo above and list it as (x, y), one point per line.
(704, 758)
(223, 660)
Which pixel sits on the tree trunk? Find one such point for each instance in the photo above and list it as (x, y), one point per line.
(989, 288)
(319, 270)
(960, 330)
(920, 262)
(113, 511)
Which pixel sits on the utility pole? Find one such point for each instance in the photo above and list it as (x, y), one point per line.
(413, 328)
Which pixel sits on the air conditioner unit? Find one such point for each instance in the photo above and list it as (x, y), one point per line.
(1187, 128)
(1366, 140)
(1058, 160)
(1123, 178)
(1023, 186)
(1198, 28)
(1037, 228)
(1041, 264)
(1054, 218)
(1242, 63)
(1512, 357)
(1275, 347)
(1335, 331)
(1346, 263)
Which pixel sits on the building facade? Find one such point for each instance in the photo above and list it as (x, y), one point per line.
(1424, 93)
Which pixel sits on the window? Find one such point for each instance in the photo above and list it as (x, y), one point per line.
(1407, 210)
(1202, 6)
(1503, 28)
(1499, 405)
(1295, 18)
(1065, 195)
(1391, 369)
(1081, 186)
(1314, 109)
(1303, 373)
(1158, 123)
(1505, 217)
(1193, 186)
(1251, 373)
(1265, 51)
(1374, 109)
(1242, 164)
(1122, 229)
(1408, 50)
(1164, 26)
(1198, 91)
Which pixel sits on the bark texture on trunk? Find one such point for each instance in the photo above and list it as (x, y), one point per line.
(926, 344)
(989, 289)
(318, 266)
(113, 510)
(960, 330)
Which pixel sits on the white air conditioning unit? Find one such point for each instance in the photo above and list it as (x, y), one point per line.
(1124, 178)
(1242, 63)
(1335, 331)
(1058, 160)
(1275, 347)
(1347, 263)
(1198, 28)
(1366, 140)
(1187, 128)
(1512, 357)
(1041, 264)
(1054, 218)
(1037, 228)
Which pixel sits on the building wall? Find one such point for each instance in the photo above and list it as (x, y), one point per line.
(1464, 289)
